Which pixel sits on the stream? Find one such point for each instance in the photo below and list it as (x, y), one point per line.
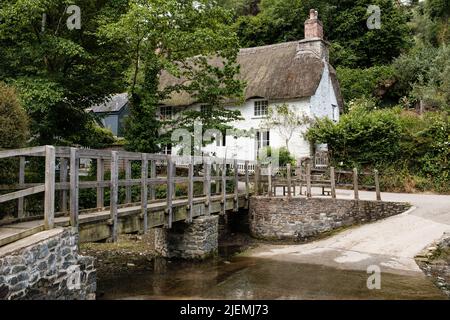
(234, 276)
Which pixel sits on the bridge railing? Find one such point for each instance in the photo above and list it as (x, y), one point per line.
(117, 179)
(48, 187)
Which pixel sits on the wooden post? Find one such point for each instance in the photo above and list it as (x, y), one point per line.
(100, 189)
(377, 185)
(153, 176)
(333, 183)
(49, 187)
(74, 187)
(114, 193)
(63, 178)
(207, 186)
(20, 203)
(217, 182)
(289, 182)
(308, 180)
(247, 181)
(236, 186)
(191, 191)
(127, 177)
(355, 183)
(224, 186)
(170, 191)
(269, 178)
(144, 190)
(257, 178)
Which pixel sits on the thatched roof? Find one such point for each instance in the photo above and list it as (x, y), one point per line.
(272, 72)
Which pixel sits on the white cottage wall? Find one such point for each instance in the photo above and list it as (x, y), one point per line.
(323, 100)
(245, 147)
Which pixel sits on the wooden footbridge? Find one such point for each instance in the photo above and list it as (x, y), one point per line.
(144, 191)
(125, 192)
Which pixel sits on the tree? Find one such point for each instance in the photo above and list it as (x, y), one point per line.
(13, 134)
(423, 77)
(241, 7)
(354, 45)
(59, 72)
(190, 40)
(13, 119)
(374, 82)
(285, 121)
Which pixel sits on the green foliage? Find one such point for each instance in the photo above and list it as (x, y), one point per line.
(354, 45)
(360, 137)
(59, 72)
(13, 132)
(370, 82)
(182, 43)
(424, 74)
(284, 156)
(412, 149)
(142, 127)
(13, 119)
(438, 8)
(240, 7)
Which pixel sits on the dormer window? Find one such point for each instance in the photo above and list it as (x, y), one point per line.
(261, 108)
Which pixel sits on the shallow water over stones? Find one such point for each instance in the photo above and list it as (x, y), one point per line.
(242, 277)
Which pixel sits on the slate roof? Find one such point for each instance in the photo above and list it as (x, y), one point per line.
(115, 104)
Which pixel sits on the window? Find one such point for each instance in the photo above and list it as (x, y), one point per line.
(165, 113)
(335, 112)
(221, 142)
(262, 139)
(167, 149)
(261, 108)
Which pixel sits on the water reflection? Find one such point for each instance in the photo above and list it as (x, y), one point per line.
(258, 278)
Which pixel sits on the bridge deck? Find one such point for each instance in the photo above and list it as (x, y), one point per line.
(156, 212)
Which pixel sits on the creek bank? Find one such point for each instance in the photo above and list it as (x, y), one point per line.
(434, 261)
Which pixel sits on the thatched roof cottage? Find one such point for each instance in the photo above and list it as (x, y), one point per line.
(295, 73)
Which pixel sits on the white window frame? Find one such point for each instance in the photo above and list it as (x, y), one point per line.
(261, 141)
(334, 110)
(167, 149)
(261, 108)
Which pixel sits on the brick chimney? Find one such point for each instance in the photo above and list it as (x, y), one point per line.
(313, 42)
(313, 26)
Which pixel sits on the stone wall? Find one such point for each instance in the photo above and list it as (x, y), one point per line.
(300, 219)
(197, 240)
(46, 266)
(435, 263)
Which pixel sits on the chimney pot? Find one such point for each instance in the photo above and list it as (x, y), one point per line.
(313, 26)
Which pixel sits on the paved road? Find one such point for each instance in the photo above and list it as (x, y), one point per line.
(391, 243)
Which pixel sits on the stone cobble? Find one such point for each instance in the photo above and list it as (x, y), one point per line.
(50, 269)
(301, 219)
(197, 240)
